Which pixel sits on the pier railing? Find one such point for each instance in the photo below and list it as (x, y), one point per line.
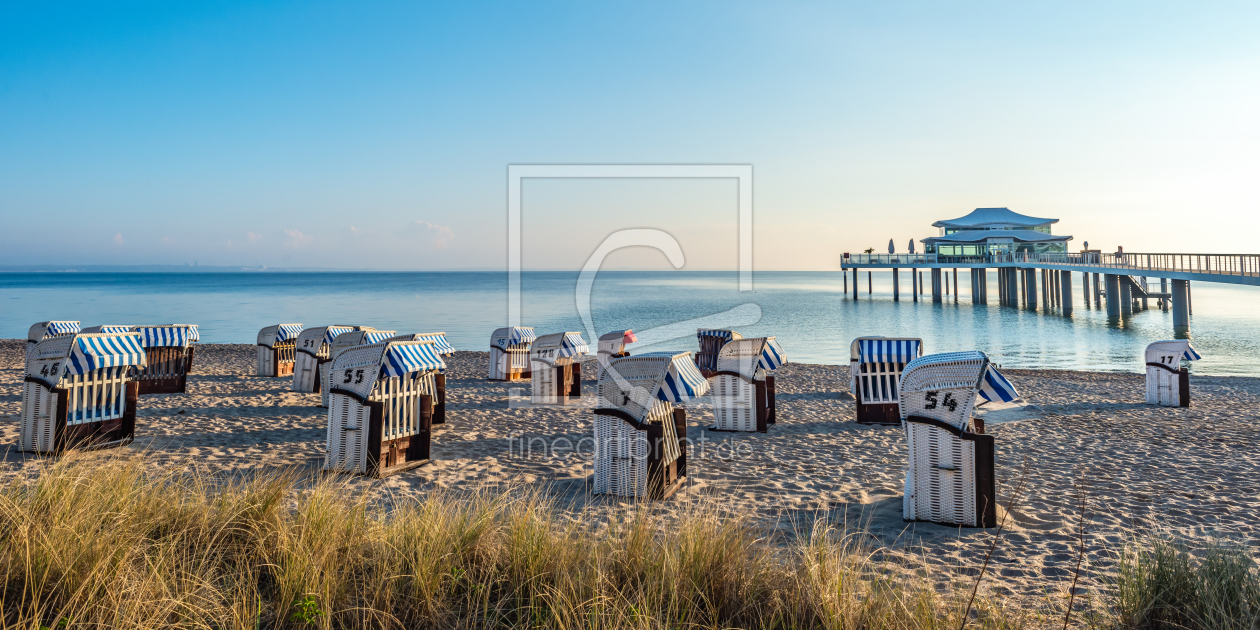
(1134, 264)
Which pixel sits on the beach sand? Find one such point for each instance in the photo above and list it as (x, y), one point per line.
(1192, 471)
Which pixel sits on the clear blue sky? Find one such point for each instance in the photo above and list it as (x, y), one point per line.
(378, 134)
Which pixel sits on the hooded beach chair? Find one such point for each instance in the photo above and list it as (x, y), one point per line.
(875, 365)
(711, 343)
(109, 329)
(312, 349)
(950, 475)
(276, 347)
(556, 368)
(613, 345)
(169, 354)
(509, 353)
(77, 392)
(365, 335)
(1167, 383)
(48, 330)
(444, 349)
(743, 394)
(381, 398)
(640, 437)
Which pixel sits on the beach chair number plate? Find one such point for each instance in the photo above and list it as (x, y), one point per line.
(949, 402)
(48, 369)
(351, 375)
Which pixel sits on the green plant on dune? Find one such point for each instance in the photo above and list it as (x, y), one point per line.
(1164, 582)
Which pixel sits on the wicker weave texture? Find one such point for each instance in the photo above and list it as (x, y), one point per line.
(347, 435)
(735, 398)
(305, 372)
(630, 384)
(38, 406)
(1163, 386)
(941, 479)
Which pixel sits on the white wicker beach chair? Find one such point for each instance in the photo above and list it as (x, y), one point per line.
(379, 419)
(556, 368)
(77, 393)
(1167, 382)
(313, 348)
(875, 365)
(743, 394)
(950, 475)
(711, 343)
(509, 353)
(613, 345)
(48, 330)
(364, 336)
(276, 347)
(640, 437)
(443, 348)
(169, 354)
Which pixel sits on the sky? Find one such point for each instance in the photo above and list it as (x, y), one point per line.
(378, 135)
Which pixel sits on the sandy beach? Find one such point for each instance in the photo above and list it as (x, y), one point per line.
(1190, 470)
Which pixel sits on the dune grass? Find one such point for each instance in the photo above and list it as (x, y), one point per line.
(107, 543)
(1165, 582)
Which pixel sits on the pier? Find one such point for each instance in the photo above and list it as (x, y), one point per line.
(1027, 279)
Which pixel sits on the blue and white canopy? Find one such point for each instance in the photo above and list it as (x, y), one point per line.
(194, 334)
(164, 336)
(521, 335)
(61, 328)
(572, 345)
(285, 332)
(707, 332)
(376, 336)
(108, 329)
(994, 387)
(1191, 354)
(93, 352)
(439, 341)
(888, 350)
(772, 356)
(331, 332)
(683, 382)
(404, 358)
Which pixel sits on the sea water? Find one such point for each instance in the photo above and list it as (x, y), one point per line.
(808, 312)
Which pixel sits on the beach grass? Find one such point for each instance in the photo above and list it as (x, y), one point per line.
(109, 543)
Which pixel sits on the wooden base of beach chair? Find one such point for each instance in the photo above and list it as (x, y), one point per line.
(983, 470)
(390, 457)
(439, 407)
(94, 435)
(761, 403)
(769, 400)
(664, 478)
(878, 414)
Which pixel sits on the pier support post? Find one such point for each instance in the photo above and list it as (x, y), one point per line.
(922, 289)
(1098, 291)
(855, 284)
(1085, 289)
(896, 284)
(1032, 289)
(1065, 289)
(914, 284)
(1126, 297)
(1113, 296)
(936, 286)
(956, 290)
(975, 287)
(1181, 307)
(868, 284)
(846, 282)
(1012, 287)
(1163, 288)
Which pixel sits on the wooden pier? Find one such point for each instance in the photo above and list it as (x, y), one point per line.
(1027, 280)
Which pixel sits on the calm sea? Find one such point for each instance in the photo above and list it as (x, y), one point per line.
(806, 311)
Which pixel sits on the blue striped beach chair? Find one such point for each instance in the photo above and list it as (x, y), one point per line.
(312, 350)
(1167, 381)
(78, 394)
(365, 335)
(875, 365)
(950, 476)
(277, 346)
(640, 436)
(556, 368)
(743, 384)
(509, 353)
(443, 347)
(169, 355)
(379, 412)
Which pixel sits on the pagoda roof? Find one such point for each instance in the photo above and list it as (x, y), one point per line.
(981, 217)
(975, 236)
